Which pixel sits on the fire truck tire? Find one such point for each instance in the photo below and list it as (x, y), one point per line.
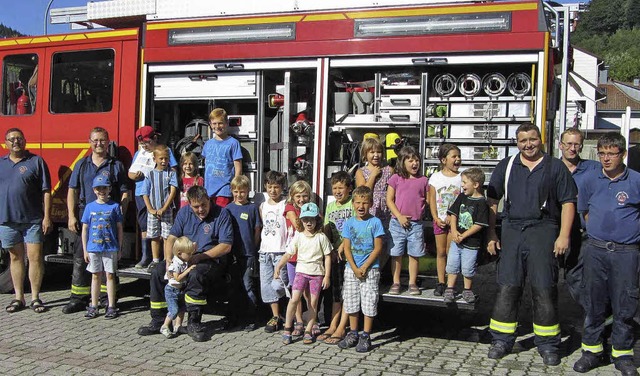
(6, 284)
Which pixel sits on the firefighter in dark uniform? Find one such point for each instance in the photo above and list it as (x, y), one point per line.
(210, 227)
(538, 213)
(610, 202)
(81, 193)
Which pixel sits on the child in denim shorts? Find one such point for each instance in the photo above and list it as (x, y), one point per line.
(183, 249)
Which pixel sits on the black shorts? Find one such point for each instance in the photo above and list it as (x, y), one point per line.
(141, 213)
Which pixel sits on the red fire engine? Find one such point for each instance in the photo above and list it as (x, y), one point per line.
(303, 81)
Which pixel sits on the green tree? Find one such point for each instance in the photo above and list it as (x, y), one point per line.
(7, 32)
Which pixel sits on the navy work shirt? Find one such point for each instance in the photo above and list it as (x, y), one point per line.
(613, 206)
(582, 172)
(526, 188)
(21, 188)
(246, 218)
(216, 228)
(90, 171)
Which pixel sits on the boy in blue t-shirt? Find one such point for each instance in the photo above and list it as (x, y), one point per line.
(363, 236)
(244, 268)
(223, 159)
(102, 244)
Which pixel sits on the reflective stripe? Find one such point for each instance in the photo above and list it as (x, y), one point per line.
(158, 305)
(609, 320)
(503, 327)
(546, 331)
(618, 353)
(103, 288)
(80, 290)
(190, 300)
(593, 349)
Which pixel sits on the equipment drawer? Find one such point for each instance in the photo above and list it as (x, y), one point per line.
(400, 116)
(399, 100)
(204, 85)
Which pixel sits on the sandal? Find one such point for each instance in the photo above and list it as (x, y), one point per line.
(333, 340)
(315, 330)
(37, 306)
(298, 329)
(308, 338)
(15, 306)
(324, 336)
(286, 337)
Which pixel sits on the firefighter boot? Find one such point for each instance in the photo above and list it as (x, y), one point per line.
(504, 321)
(625, 365)
(545, 324)
(194, 326)
(157, 319)
(587, 362)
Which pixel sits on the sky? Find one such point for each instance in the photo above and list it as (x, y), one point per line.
(27, 16)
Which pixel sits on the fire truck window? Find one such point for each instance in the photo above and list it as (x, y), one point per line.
(82, 82)
(19, 84)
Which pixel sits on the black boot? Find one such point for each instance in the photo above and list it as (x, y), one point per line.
(194, 326)
(625, 366)
(587, 362)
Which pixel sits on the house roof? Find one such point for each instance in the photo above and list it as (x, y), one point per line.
(616, 99)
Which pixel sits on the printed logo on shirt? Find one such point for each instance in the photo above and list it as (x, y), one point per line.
(622, 197)
(23, 169)
(207, 228)
(244, 216)
(105, 173)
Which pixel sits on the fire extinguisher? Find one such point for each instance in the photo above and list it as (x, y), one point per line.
(23, 106)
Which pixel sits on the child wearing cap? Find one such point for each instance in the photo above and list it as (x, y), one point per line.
(141, 165)
(102, 244)
(313, 269)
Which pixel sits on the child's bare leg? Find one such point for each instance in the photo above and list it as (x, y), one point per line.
(155, 248)
(275, 309)
(368, 324)
(396, 267)
(178, 322)
(336, 310)
(292, 308)
(298, 312)
(342, 327)
(167, 321)
(413, 270)
(95, 288)
(441, 256)
(313, 311)
(111, 289)
(467, 283)
(353, 321)
(451, 280)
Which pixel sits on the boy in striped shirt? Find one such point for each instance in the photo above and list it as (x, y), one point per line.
(160, 187)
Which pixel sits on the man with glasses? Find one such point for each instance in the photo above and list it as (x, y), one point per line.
(25, 216)
(610, 202)
(539, 204)
(80, 193)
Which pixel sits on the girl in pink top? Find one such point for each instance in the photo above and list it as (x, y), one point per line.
(406, 198)
(190, 175)
(375, 175)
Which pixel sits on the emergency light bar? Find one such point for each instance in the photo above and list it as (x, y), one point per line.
(231, 34)
(438, 24)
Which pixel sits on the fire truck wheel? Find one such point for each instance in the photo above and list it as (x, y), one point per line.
(6, 285)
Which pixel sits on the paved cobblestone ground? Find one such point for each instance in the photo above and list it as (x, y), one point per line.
(408, 341)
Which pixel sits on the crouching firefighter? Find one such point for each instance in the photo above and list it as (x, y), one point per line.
(80, 193)
(539, 205)
(210, 227)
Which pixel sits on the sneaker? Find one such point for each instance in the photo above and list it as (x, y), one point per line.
(395, 289)
(364, 344)
(112, 313)
(92, 312)
(439, 291)
(449, 295)
(350, 340)
(414, 290)
(165, 331)
(152, 265)
(273, 325)
(468, 296)
(142, 264)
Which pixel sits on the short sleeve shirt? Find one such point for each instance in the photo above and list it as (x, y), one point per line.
(89, 171)
(411, 195)
(470, 211)
(335, 216)
(362, 234)
(214, 229)
(186, 184)
(219, 169)
(157, 185)
(447, 189)
(177, 267)
(102, 220)
(21, 189)
(613, 206)
(526, 187)
(246, 219)
(310, 251)
(143, 162)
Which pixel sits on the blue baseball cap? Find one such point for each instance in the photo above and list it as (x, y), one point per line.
(101, 181)
(309, 210)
